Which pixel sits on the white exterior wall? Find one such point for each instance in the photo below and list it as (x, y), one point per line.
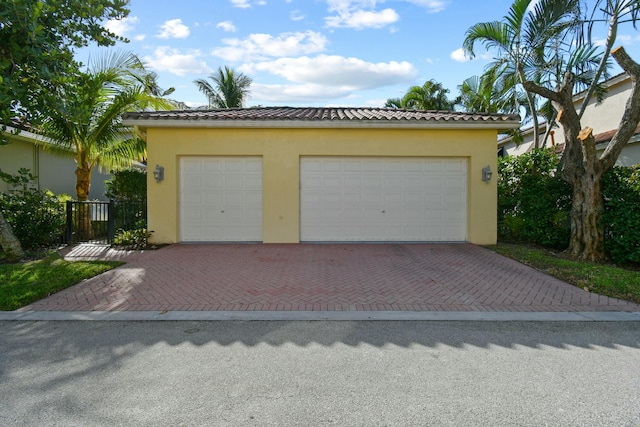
(601, 118)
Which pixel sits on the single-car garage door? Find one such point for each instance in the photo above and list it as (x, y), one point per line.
(383, 199)
(220, 199)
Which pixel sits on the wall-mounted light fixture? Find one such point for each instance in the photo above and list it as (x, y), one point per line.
(158, 173)
(486, 174)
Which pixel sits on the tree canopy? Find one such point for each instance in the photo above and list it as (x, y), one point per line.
(430, 96)
(37, 43)
(230, 89)
(548, 46)
(87, 118)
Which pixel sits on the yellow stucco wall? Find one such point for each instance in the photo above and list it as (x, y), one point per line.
(281, 150)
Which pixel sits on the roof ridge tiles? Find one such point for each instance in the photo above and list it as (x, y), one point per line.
(319, 114)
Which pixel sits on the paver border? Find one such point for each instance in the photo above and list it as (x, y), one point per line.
(586, 316)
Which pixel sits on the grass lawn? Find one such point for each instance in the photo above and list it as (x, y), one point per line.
(23, 283)
(603, 279)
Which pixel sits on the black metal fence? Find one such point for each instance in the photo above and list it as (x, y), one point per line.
(98, 222)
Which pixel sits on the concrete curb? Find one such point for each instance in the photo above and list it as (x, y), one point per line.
(609, 316)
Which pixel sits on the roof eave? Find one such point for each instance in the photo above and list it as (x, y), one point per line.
(299, 124)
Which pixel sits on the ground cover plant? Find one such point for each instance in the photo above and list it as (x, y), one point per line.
(604, 279)
(26, 282)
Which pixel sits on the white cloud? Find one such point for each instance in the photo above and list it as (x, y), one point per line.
(296, 15)
(121, 26)
(261, 46)
(458, 55)
(296, 93)
(172, 60)
(359, 14)
(139, 37)
(227, 26)
(625, 39)
(432, 6)
(245, 4)
(360, 19)
(338, 72)
(173, 29)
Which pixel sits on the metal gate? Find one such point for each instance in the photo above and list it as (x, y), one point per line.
(97, 222)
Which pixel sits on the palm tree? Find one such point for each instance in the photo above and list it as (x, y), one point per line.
(394, 103)
(430, 96)
(86, 121)
(488, 93)
(230, 89)
(523, 40)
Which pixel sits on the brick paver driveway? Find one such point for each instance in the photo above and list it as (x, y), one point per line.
(407, 277)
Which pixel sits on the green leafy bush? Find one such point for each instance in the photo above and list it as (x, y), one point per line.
(128, 184)
(37, 218)
(128, 190)
(132, 239)
(621, 217)
(533, 201)
(534, 204)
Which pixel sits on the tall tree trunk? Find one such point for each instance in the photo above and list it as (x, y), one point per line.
(583, 171)
(83, 212)
(587, 231)
(8, 241)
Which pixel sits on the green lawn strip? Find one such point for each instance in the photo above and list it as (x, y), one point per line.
(23, 283)
(603, 279)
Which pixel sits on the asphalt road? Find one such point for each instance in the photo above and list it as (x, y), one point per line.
(320, 373)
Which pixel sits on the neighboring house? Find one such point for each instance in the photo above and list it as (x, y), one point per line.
(290, 175)
(54, 173)
(603, 118)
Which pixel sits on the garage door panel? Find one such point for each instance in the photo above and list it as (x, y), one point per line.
(221, 199)
(383, 199)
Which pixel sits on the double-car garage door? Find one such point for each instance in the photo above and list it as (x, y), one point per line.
(341, 199)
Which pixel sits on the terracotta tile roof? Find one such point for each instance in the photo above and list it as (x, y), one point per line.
(323, 114)
(606, 136)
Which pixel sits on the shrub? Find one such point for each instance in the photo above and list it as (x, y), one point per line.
(621, 217)
(132, 239)
(128, 184)
(533, 201)
(37, 218)
(128, 190)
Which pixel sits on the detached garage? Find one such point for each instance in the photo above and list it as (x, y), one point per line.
(290, 175)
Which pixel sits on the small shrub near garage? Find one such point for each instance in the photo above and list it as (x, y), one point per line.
(128, 191)
(127, 185)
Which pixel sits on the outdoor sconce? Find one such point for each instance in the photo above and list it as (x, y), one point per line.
(158, 173)
(486, 174)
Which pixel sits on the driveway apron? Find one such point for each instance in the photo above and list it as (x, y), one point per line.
(320, 277)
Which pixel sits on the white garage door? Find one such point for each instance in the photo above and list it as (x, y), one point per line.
(383, 199)
(220, 199)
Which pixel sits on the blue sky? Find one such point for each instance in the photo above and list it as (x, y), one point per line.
(311, 52)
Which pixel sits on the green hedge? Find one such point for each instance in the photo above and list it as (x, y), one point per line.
(533, 201)
(621, 189)
(534, 205)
